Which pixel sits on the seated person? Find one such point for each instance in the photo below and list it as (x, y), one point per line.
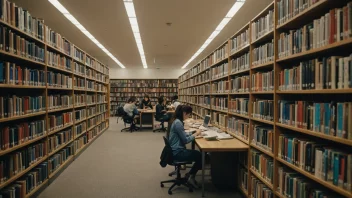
(161, 111)
(175, 101)
(178, 139)
(146, 103)
(130, 107)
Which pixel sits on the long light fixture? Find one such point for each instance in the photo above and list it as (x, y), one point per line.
(238, 4)
(73, 20)
(135, 29)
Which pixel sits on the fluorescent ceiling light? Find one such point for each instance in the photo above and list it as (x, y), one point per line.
(73, 20)
(238, 4)
(135, 29)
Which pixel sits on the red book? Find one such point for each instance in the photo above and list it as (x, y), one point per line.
(342, 170)
(332, 22)
(345, 22)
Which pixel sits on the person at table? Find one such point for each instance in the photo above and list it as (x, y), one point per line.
(130, 107)
(178, 139)
(161, 110)
(146, 103)
(175, 101)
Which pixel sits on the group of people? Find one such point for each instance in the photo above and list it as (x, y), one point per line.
(178, 138)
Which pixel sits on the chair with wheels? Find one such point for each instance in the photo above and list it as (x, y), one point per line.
(162, 129)
(127, 120)
(178, 181)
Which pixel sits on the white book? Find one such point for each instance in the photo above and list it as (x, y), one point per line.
(340, 80)
(338, 31)
(334, 62)
(346, 81)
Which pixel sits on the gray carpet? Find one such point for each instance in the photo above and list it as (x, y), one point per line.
(121, 165)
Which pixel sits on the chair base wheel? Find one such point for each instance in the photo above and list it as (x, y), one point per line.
(190, 190)
(162, 185)
(170, 192)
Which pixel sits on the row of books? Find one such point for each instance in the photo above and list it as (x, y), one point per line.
(220, 87)
(90, 85)
(220, 103)
(240, 84)
(326, 163)
(79, 68)
(201, 111)
(195, 70)
(91, 111)
(263, 137)
(91, 99)
(18, 17)
(78, 54)
(219, 119)
(17, 134)
(80, 99)
(262, 81)
(334, 72)
(291, 184)
(27, 183)
(220, 53)
(56, 40)
(240, 63)
(59, 101)
(12, 106)
(101, 98)
(137, 94)
(101, 108)
(239, 106)
(259, 189)
(263, 25)
(139, 89)
(90, 73)
(19, 75)
(207, 62)
(17, 162)
(60, 120)
(263, 109)
(80, 114)
(288, 9)
(333, 119)
(59, 139)
(89, 61)
(59, 158)
(330, 28)
(59, 80)
(263, 53)
(244, 178)
(263, 165)
(239, 127)
(220, 71)
(79, 83)
(239, 41)
(80, 128)
(80, 142)
(13, 43)
(91, 122)
(140, 84)
(56, 60)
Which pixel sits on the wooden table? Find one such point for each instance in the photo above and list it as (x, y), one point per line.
(230, 145)
(144, 111)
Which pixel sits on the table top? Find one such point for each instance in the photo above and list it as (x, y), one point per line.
(221, 145)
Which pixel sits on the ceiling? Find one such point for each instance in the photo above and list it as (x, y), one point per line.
(165, 46)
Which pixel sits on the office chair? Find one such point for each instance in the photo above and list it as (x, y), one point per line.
(178, 180)
(162, 129)
(127, 120)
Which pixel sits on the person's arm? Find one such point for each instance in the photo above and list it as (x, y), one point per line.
(135, 111)
(181, 133)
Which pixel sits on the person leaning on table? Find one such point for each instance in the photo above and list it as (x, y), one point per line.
(130, 107)
(178, 139)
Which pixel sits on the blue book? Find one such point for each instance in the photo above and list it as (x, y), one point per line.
(339, 119)
(327, 118)
(2, 77)
(336, 167)
(16, 75)
(317, 117)
(11, 74)
(289, 150)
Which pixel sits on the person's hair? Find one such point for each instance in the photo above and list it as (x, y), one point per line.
(175, 97)
(146, 96)
(179, 112)
(132, 99)
(160, 99)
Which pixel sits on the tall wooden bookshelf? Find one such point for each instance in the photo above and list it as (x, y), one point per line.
(52, 142)
(257, 99)
(122, 89)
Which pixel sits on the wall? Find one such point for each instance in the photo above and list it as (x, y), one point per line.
(145, 73)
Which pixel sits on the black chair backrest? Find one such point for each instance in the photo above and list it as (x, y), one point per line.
(121, 113)
(169, 150)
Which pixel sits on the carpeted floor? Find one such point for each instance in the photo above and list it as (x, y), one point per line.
(121, 165)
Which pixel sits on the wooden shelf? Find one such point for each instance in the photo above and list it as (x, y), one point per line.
(244, 48)
(239, 115)
(22, 58)
(316, 134)
(91, 128)
(218, 62)
(264, 37)
(220, 78)
(22, 116)
(18, 175)
(3, 152)
(239, 93)
(223, 111)
(238, 137)
(264, 65)
(268, 153)
(316, 50)
(60, 129)
(79, 89)
(79, 121)
(91, 104)
(76, 107)
(31, 193)
(79, 135)
(57, 50)
(89, 117)
(266, 182)
(59, 88)
(89, 78)
(240, 72)
(60, 147)
(243, 191)
(78, 61)
(329, 185)
(62, 109)
(262, 92)
(21, 86)
(219, 94)
(319, 91)
(79, 75)
(61, 166)
(262, 121)
(62, 69)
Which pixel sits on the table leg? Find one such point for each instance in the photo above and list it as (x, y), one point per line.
(140, 121)
(203, 171)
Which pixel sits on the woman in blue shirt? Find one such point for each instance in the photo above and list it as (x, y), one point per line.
(178, 139)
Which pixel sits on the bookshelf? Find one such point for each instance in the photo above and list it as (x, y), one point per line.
(122, 89)
(286, 100)
(46, 93)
